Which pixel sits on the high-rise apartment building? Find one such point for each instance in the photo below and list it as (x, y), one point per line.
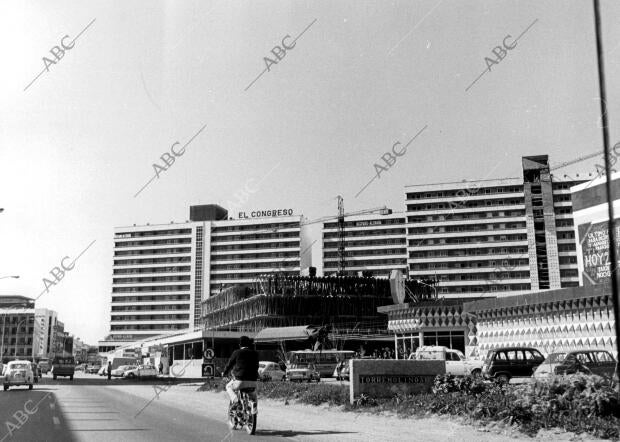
(161, 273)
(493, 237)
(375, 244)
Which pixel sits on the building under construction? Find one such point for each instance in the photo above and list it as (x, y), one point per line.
(347, 305)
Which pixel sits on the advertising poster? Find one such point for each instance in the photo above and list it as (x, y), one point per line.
(594, 239)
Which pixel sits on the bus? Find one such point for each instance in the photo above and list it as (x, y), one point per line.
(324, 361)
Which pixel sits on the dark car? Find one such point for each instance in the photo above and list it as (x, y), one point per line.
(509, 362)
(63, 366)
(599, 362)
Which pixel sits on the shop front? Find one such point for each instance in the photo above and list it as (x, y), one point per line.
(441, 322)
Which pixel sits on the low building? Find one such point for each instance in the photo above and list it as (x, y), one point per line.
(551, 321)
(439, 322)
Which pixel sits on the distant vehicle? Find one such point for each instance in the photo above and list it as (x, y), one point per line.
(103, 371)
(270, 371)
(325, 361)
(93, 368)
(63, 366)
(505, 363)
(140, 372)
(120, 371)
(456, 362)
(599, 362)
(80, 367)
(303, 372)
(18, 373)
(44, 365)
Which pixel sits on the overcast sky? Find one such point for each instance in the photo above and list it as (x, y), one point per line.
(81, 140)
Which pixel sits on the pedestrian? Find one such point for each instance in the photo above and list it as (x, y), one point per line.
(109, 370)
(161, 368)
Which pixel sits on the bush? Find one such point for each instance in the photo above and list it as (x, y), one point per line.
(313, 394)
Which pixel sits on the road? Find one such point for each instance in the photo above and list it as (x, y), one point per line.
(92, 409)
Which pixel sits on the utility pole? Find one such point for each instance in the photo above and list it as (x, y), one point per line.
(613, 253)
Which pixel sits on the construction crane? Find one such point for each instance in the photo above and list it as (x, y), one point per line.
(341, 229)
(576, 160)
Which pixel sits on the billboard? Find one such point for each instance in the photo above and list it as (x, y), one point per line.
(594, 240)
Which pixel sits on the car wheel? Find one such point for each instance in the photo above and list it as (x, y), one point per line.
(30, 387)
(503, 378)
(476, 373)
(131, 375)
(6, 387)
(70, 378)
(54, 377)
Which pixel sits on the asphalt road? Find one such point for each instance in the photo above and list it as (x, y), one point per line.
(87, 409)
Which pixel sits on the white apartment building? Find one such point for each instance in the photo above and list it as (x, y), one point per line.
(493, 237)
(161, 273)
(373, 243)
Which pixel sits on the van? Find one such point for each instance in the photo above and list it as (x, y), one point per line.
(63, 366)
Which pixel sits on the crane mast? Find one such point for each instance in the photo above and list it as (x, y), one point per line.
(341, 260)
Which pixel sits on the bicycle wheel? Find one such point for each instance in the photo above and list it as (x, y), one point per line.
(250, 423)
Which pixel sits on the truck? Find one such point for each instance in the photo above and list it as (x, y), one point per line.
(456, 362)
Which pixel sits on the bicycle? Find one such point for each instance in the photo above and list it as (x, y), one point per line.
(243, 413)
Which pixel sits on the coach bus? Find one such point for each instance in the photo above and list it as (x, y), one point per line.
(324, 361)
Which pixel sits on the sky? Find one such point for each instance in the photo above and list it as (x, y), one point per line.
(79, 142)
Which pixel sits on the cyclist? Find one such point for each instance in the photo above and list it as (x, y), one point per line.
(244, 366)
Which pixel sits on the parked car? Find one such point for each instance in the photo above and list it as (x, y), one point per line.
(17, 373)
(140, 372)
(302, 372)
(93, 369)
(456, 362)
(505, 363)
(270, 371)
(599, 362)
(103, 371)
(120, 371)
(63, 366)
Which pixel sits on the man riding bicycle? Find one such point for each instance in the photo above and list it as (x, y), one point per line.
(244, 366)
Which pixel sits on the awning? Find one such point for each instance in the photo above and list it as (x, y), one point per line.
(276, 334)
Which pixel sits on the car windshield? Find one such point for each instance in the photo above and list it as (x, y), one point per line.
(123, 367)
(19, 366)
(262, 365)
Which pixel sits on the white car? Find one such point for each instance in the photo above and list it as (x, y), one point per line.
(120, 371)
(140, 372)
(18, 373)
(456, 362)
(270, 371)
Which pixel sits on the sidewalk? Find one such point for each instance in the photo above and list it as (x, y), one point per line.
(308, 423)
